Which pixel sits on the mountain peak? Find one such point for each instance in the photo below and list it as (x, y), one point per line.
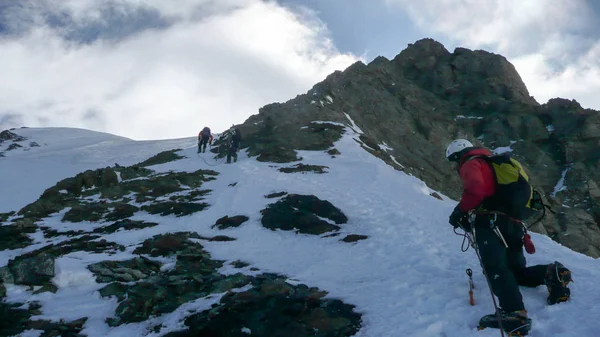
(102, 236)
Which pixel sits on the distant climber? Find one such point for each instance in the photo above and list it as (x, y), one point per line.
(204, 137)
(233, 144)
(489, 212)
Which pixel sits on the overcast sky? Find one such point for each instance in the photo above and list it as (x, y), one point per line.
(154, 70)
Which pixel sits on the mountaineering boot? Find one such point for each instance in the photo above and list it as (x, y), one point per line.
(557, 281)
(515, 323)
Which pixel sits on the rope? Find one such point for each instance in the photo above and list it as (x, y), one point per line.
(219, 162)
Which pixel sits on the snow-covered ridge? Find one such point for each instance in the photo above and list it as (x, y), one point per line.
(64, 152)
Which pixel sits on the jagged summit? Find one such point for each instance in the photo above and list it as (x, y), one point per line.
(465, 75)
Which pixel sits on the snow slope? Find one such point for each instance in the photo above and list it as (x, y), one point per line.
(64, 152)
(407, 279)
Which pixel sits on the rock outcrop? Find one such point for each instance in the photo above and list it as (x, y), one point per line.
(426, 96)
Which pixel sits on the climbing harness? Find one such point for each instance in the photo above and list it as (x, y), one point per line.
(527, 243)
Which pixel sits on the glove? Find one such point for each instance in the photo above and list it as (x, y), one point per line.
(459, 219)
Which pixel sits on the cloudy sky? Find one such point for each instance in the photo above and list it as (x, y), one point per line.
(150, 69)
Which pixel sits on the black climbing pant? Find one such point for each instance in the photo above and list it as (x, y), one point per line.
(506, 267)
(202, 144)
(232, 152)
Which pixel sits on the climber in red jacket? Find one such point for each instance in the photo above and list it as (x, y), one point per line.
(499, 240)
(204, 137)
(477, 178)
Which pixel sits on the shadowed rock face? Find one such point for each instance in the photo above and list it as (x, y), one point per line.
(427, 96)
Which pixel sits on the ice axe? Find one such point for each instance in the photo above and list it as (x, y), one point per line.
(471, 286)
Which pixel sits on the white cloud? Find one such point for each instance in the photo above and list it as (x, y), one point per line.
(579, 80)
(551, 45)
(214, 70)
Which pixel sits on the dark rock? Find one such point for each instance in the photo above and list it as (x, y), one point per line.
(6, 276)
(13, 146)
(121, 212)
(132, 172)
(221, 238)
(277, 154)
(274, 308)
(161, 186)
(301, 213)
(15, 236)
(275, 195)
(32, 270)
(61, 328)
(169, 244)
(196, 178)
(124, 271)
(7, 135)
(47, 288)
(116, 289)
(331, 235)
(194, 276)
(304, 168)
(14, 320)
(86, 212)
(370, 146)
(161, 158)
(2, 291)
(176, 208)
(239, 264)
(85, 243)
(50, 232)
(334, 152)
(195, 195)
(34, 144)
(436, 195)
(124, 225)
(354, 238)
(228, 222)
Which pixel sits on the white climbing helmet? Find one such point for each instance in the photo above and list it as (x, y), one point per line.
(455, 147)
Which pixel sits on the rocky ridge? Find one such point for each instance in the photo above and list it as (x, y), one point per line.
(409, 108)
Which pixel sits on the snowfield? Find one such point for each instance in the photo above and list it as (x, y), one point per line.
(407, 279)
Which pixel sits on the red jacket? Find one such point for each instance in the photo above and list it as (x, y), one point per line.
(477, 179)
